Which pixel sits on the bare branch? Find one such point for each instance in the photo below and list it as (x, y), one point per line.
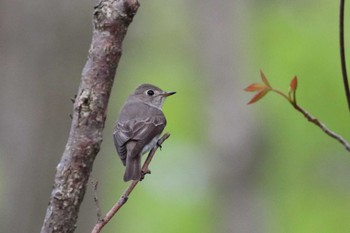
(291, 98)
(342, 51)
(123, 199)
(322, 126)
(111, 19)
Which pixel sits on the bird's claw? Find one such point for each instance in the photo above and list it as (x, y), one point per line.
(159, 145)
(143, 173)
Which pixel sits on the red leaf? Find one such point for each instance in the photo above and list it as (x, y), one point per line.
(259, 95)
(264, 79)
(294, 84)
(255, 87)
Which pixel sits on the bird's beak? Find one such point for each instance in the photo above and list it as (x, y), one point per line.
(166, 94)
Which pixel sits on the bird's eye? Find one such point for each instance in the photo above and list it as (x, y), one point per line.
(150, 92)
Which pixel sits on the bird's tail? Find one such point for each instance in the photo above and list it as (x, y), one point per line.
(133, 168)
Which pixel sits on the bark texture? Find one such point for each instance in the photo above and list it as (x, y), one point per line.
(111, 19)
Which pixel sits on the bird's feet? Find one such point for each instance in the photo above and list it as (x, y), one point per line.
(159, 145)
(143, 173)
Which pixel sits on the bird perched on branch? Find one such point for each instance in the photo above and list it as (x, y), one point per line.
(138, 128)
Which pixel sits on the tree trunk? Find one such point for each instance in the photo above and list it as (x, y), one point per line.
(111, 21)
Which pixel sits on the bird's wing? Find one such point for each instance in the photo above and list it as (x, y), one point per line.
(139, 130)
(122, 134)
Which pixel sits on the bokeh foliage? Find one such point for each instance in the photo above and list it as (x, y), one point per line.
(305, 178)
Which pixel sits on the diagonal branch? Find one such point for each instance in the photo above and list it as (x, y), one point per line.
(111, 20)
(322, 126)
(293, 101)
(122, 200)
(291, 98)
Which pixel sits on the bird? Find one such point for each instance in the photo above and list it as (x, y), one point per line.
(139, 126)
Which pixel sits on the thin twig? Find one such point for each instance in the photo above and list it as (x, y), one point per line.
(123, 199)
(312, 119)
(288, 98)
(322, 126)
(97, 203)
(342, 51)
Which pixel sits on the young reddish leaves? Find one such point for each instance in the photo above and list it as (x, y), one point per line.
(264, 79)
(265, 87)
(255, 87)
(294, 84)
(258, 96)
(292, 89)
(262, 89)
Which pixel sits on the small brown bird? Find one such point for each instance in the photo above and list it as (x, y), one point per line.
(137, 130)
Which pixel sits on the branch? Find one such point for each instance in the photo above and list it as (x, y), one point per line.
(111, 19)
(322, 126)
(263, 89)
(342, 51)
(123, 199)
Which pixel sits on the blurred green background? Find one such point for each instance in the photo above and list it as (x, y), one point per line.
(227, 167)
